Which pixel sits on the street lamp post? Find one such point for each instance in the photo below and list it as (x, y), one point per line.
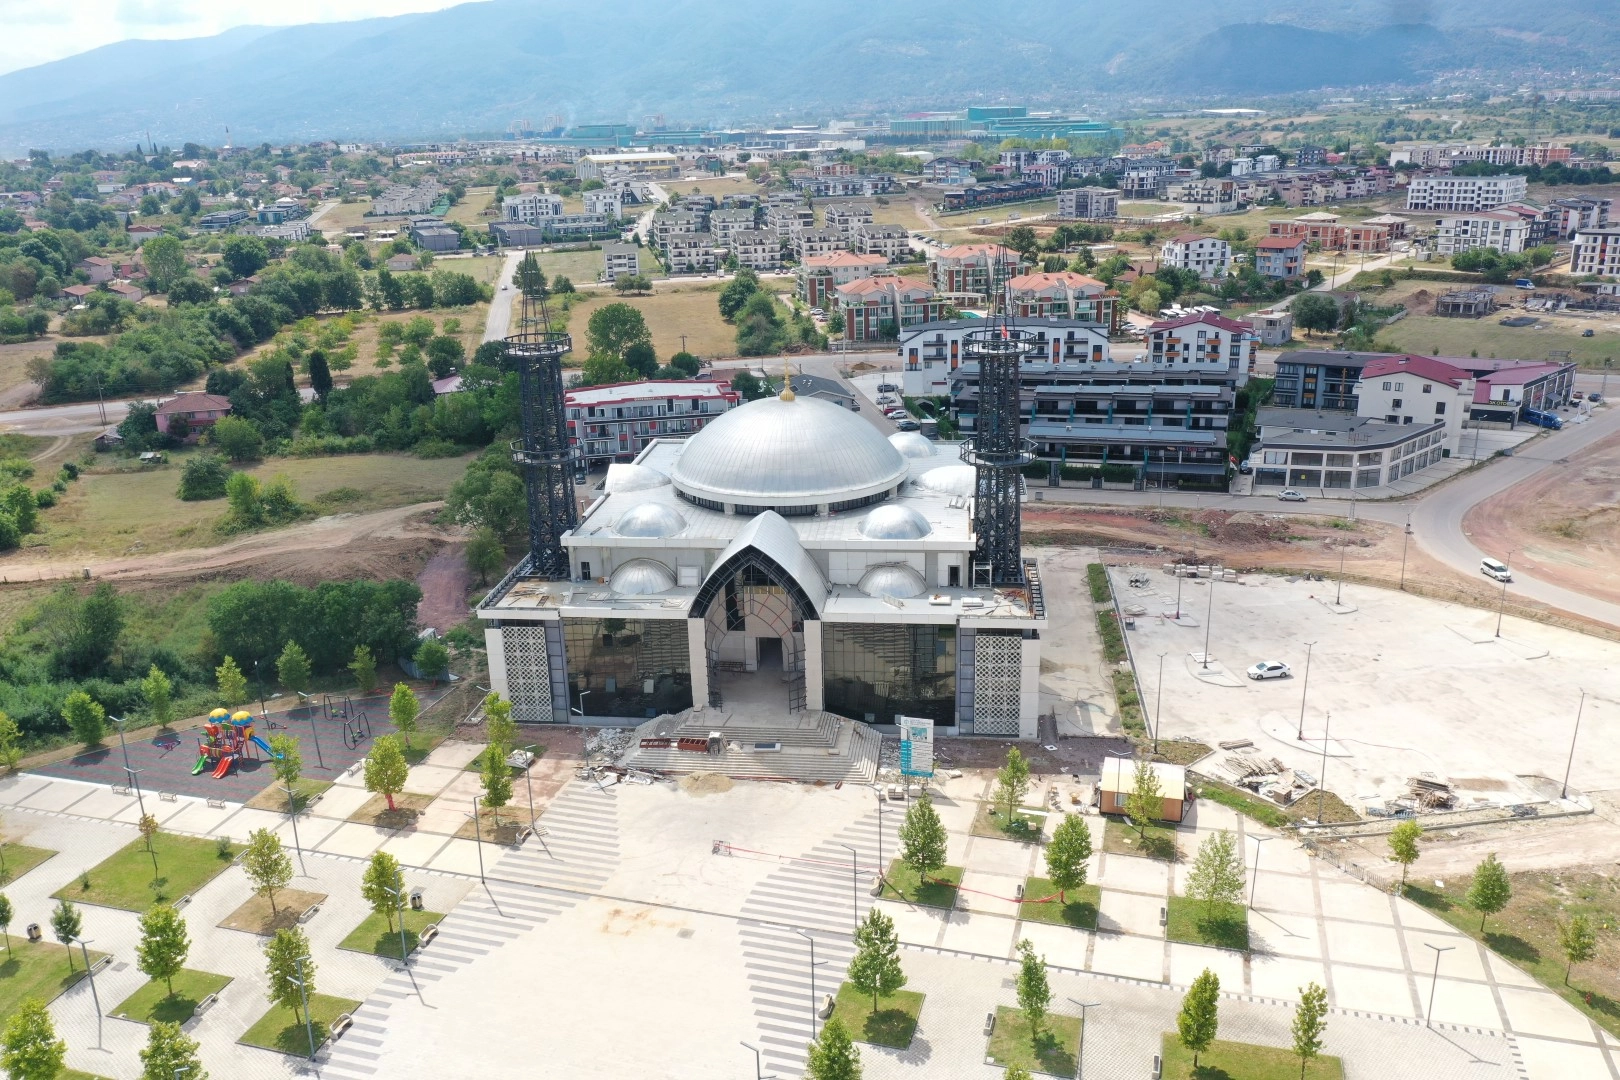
(132, 774)
(1428, 1015)
(399, 896)
(95, 998)
(478, 832)
(1502, 603)
(1405, 536)
(1080, 1054)
(292, 814)
(1339, 592)
(1207, 620)
(303, 992)
(854, 887)
(528, 781)
(1254, 882)
(1321, 779)
(1568, 764)
(757, 1074)
(1304, 686)
(813, 966)
(1158, 702)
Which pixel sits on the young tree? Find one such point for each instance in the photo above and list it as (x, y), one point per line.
(1016, 1072)
(159, 694)
(232, 683)
(386, 769)
(282, 958)
(320, 374)
(496, 776)
(1577, 938)
(1217, 872)
(382, 874)
(10, 742)
(922, 838)
(485, 553)
(1145, 802)
(169, 1054)
(85, 716)
(6, 915)
(364, 669)
(1199, 1020)
(1310, 1022)
(267, 865)
(833, 1056)
(164, 945)
(1066, 855)
(875, 968)
(499, 730)
(66, 922)
(432, 659)
(292, 667)
(165, 261)
(403, 709)
(1403, 846)
(1491, 890)
(1034, 992)
(1012, 784)
(29, 1048)
(287, 761)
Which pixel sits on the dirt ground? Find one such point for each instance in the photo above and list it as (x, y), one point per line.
(1565, 522)
(444, 581)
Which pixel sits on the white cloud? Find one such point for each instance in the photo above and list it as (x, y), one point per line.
(39, 31)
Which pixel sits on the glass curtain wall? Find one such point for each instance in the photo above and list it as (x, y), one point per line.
(628, 667)
(873, 672)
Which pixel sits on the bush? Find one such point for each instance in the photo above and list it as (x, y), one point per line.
(237, 438)
(204, 477)
(1097, 580)
(45, 498)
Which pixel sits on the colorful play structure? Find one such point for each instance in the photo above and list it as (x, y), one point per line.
(226, 738)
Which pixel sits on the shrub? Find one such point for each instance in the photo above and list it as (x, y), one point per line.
(204, 477)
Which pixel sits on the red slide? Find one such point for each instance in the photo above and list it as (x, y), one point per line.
(225, 763)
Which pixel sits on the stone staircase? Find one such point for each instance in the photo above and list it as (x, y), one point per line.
(807, 746)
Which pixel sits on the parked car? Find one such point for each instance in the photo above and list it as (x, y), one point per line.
(907, 425)
(1269, 669)
(1290, 495)
(1494, 569)
(817, 311)
(1245, 468)
(888, 388)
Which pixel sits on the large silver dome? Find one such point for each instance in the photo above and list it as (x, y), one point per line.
(894, 580)
(641, 577)
(650, 519)
(895, 523)
(780, 452)
(949, 480)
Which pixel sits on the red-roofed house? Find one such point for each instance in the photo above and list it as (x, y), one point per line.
(970, 271)
(78, 293)
(1414, 389)
(97, 270)
(1207, 256)
(1512, 385)
(140, 234)
(819, 275)
(1280, 256)
(1205, 340)
(1061, 295)
(194, 411)
(877, 308)
(129, 292)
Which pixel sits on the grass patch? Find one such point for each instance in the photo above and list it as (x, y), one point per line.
(903, 883)
(39, 970)
(1242, 1061)
(282, 1030)
(274, 797)
(20, 858)
(255, 916)
(407, 807)
(1262, 810)
(670, 312)
(124, 879)
(893, 1023)
(1127, 701)
(1120, 837)
(1193, 921)
(1054, 1052)
(374, 936)
(513, 819)
(1180, 751)
(1097, 580)
(1113, 638)
(1079, 911)
(1025, 825)
(153, 1001)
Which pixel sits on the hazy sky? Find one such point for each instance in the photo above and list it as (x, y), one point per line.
(37, 31)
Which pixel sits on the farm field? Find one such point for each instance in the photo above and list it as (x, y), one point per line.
(670, 312)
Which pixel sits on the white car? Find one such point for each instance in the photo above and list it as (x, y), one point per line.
(1290, 495)
(1269, 669)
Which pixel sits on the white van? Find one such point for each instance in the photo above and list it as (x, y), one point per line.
(1493, 569)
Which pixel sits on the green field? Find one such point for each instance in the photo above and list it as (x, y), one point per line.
(38, 970)
(893, 1023)
(1226, 926)
(1243, 1061)
(1080, 909)
(1054, 1052)
(1120, 837)
(374, 936)
(1488, 337)
(670, 313)
(124, 879)
(583, 266)
(284, 1031)
(153, 1002)
(19, 859)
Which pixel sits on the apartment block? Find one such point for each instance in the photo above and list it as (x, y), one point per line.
(1062, 295)
(1207, 256)
(971, 272)
(532, 207)
(890, 241)
(1280, 257)
(757, 249)
(691, 253)
(1504, 231)
(1088, 203)
(1464, 193)
(817, 276)
(1596, 251)
(620, 260)
(879, 308)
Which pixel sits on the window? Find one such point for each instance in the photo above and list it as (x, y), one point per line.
(1400, 386)
(1439, 408)
(1388, 385)
(1428, 388)
(1395, 403)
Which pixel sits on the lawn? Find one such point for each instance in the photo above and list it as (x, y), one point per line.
(998, 214)
(1080, 910)
(892, 1024)
(38, 970)
(1054, 1053)
(1025, 825)
(1243, 1061)
(19, 859)
(903, 883)
(1224, 927)
(498, 826)
(153, 1001)
(899, 211)
(374, 936)
(274, 797)
(258, 917)
(283, 1030)
(670, 312)
(1487, 337)
(582, 266)
(124, 879)
(1120, 837)
(470, 211)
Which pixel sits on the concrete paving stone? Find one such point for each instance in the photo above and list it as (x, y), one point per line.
(1547, 1060)
(443, 818)
(1541, 1012)
(1188, 961)
(431, 779)
(1458, 1002)
(1508, 973)
(1284, 976)
(1134, 874)
(240, 824)
(414, 848)
(1371, 946)
(1416, 918)
(1384, 992)
(1133, 957)
(992, 893)
(340, 802)
(957, 817)
(453, 754)
(354, 776)
(915, 925)
(1280, 855)
(1130, 913)
(58, 795)
(1210, 817)
(1062, 945)
(461, 857)
(102, 803)
(985, 935)
(1281, 934)
(354, 839)
(1462, 962)
(1353, 900)
(1005, 857)
(1284, 892)
(195, 816)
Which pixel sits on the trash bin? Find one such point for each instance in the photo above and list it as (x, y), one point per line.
(416, 900)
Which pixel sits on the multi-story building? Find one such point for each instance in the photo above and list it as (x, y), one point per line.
(1596, 251)
(1204, 341)
(530, 208)
(1063, 295)
(609, 202)
(620, 260)
(757, 249)
(1207, 256)
(1410, 389)
(845, 187)
(1272, 328)
(1311, 379)
(811, 242)
(615, 422)
(653, 164)
(949, 172)
(691, 253)
(819, 275)
(971, 272)
(406, 199)
(1088, 203)
(1569, 216)
(1211, 195)
(1503, 230)
(880, 308)
(847, 217)
(930, 353)
(1310, 157)
(723, 223)
(890, 241)
(787, 214)
(670, 223)
(1303, 448)
(1464, 193)
(432, 234)
(221, 220)
(1330, 234)
(1280, 257)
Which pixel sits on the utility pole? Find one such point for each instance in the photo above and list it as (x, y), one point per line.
(1405, 536)
(1502, 603)
(1304, 686)
(1568, 764)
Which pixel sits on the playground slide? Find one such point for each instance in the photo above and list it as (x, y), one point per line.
(225, 764)
(202, 763)
(262, 745)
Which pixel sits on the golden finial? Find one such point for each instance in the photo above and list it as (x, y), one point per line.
(787, 393)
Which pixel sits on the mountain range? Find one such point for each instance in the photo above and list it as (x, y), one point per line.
(475, 68)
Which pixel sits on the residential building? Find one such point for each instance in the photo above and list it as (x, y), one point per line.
(788, 214)
(1088, 203)
(1304, 448)
(403, 199)
(1569, 216)
(97, 271)
(931, 353)
(757, 249)
(1330, 234)
(1316, 379)
(551, 230)
(1272, 328)
(1063, 295)
(723, 223)
(1503, 230)
(530, 208)
(826, 389)
(1210, 195)
(193, 411)
(847, 217)
(1204, 341)
(620, 260)
(132, 293)
(1504, 387)
(669, 223)
(811, 242)
(1596, 251)
(992, 194)
(843, 187)
(615, 422)
(1310, 157)
(1207, 256)
(1464, 193)
(608, 201)
(949, 172)
(656, 165)
(890, 241)
(879, 308)
(79, 293)
(1280, 257)
(691, 253)
(819, 275)
(432, 234)
(1412, 389)
(221, 220)
(970, 273)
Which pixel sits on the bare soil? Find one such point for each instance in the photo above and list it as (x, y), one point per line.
(444, 582)
(256, 917)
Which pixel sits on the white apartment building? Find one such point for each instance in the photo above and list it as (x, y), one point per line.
(620, 260)
(808, 243)
(1089, 203)
(1596, 251)
(608, 202)
(847, 217)
(1206, 255)
(1464, 193)
(1417, 390)
(1487, 229)
(725, 223)
(757, 249)
(532, 208)
(890, 241)
(691, 253)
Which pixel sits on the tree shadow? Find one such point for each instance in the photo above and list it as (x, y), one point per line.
(890, 1027)
(1513, 947)
(91, 758)
(1053, 1056)
(1225, 933)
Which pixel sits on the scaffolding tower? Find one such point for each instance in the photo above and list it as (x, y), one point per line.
(543, 454)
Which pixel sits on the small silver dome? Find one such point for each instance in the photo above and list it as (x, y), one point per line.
(632, 478)
(895, 523)
(911, 445)
(641, 577)
(949, 480)
(650, 519)
(895, 580)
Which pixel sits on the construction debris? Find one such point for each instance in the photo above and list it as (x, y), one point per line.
(1236, 744)
(1246, 766)
(1431, 793)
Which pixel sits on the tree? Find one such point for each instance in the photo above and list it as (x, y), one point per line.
(1217, 872)
(1012, 784)
(1315, 313)
(432, 659)
(1403, 846)
(1310, 1021)
(165, 262)
(94, 627)
(833, 1056)
(204, 477)
(10, 742)
(748, 385)
(285, 956)
(23, 506)
(383, 874)
(485, 553)
(159, 694)
(1016, 1072)
(496, 776)
(267, 865)
(85, 716)
(29, 1048)
(320, 374)
(237, 438)
(529, 278)
(1145, 802)
(244, 256)
(66, 922)
(1577, 938)
(1199, 1020)
(922, 837)
(1021, 238)
(292, 667)
(232, 683)
(164, 945)
(364, 669)
(685, 363)
(499, 730)
(613, 328)
(1034, 992)
(1491, 890)
(170, 1054)
(6, 915)
(641, 359)
(1066, 855)
(403, 709)
(737, 292)
(287, 761)
(875, 968)
(386, 769)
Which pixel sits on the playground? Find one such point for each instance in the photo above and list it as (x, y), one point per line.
(229, 756)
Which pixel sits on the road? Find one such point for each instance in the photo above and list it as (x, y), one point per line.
(498, 324)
